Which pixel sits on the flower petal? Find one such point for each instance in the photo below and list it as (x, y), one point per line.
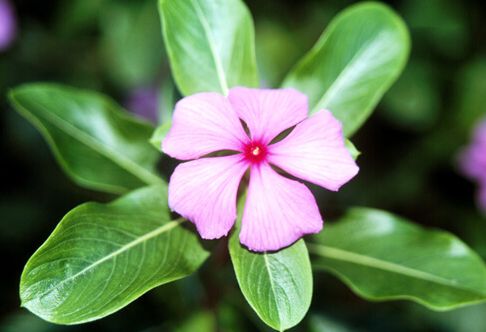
(268, 112)
(479, 135)
(203, 123)
(278, 211)
(315, 151)
(473, 161)
(204, 191)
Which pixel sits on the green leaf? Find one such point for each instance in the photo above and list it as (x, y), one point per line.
(103, 256)
(159, 135)
(352, 149)
(278, 285)
(381, 257)
(353, 64)
(97, 143)
(210, 44)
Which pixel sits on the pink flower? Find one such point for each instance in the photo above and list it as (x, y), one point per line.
(473, 162)
(8, 25)
(278, 210)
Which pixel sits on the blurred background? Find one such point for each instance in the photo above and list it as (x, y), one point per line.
(409, 161)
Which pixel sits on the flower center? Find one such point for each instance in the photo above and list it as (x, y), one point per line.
(255, 152)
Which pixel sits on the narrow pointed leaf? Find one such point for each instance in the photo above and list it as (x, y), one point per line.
(381, 257)
(278, 285)
(352, 149)
(355, 61)
(210, 44)
(103, 256)
(96, 142)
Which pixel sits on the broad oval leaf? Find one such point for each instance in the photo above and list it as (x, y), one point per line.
(277, 285)
(103, 256)
(353, 64)
(381, 257)
(210, 44)
(97, 143)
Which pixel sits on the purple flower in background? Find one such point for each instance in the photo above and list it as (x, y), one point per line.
(8, 25)
(144, 102)
(278, 210)
(473, 162)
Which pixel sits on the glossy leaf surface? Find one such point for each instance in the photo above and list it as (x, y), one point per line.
(98, 144)
(381, 256)
(210, 44)
(103, 256)
(355, 61)
(277, 285)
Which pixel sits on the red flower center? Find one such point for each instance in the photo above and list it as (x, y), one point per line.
(255, 152)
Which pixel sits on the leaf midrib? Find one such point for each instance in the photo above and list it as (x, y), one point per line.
(217, 61)
(124, 163)
(142, 239)
(272, 286)
(380, 264)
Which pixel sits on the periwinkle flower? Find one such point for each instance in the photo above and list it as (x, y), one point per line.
(278, 210)
(473, 162)
(8, 25)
